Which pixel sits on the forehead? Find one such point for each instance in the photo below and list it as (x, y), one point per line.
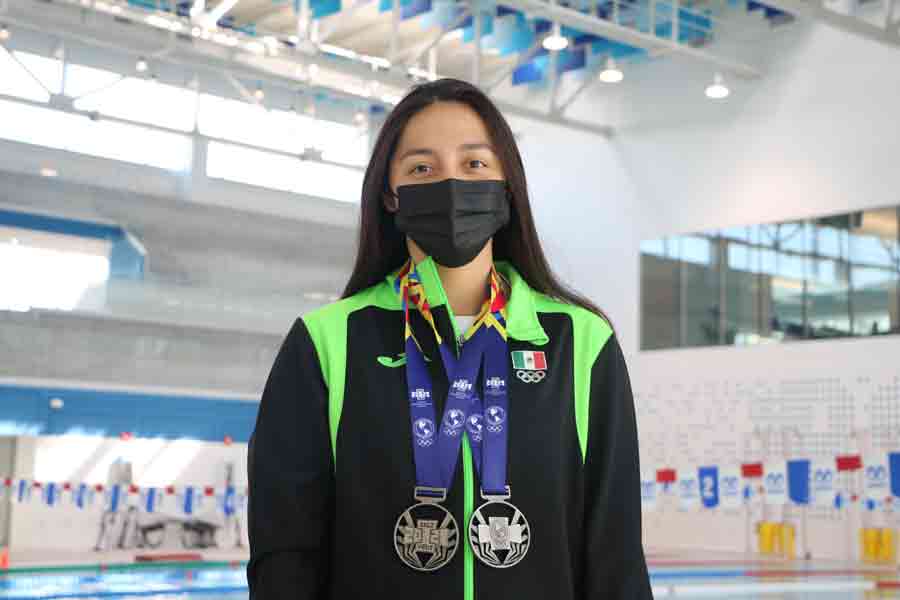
(443, 125)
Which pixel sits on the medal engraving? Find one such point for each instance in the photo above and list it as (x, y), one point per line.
(499, 534)
(426, 536)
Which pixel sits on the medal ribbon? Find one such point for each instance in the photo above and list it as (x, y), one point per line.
(436, 446)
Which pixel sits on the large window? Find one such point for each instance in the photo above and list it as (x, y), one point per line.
(828, 277)
(133, 99)
(29, 76)
(113, 113)
(106, 139)
(280, 172)
(49, 270)
(281, 130)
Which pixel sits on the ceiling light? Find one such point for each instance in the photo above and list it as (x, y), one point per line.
(294, 39)
(198, 8)
(611, 73)
(312, 70)
(49, 172)
(555, 41)
(4, 34)
(717, 90)
(141, 65)
(359, 118)
(259, 94)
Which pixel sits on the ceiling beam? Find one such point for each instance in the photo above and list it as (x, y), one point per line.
(419, 53)
(627, 35)
(590, 78)
(523, 58)
(217, 12)
(815, 11)
(334, 24)
(126, 31)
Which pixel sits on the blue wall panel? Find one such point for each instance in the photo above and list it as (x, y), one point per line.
(22, 411)
(26, 410)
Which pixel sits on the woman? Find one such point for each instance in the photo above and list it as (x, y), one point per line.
(371, 474)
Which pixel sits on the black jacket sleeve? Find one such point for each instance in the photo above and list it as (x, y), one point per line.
(616, 568)
(291, 478)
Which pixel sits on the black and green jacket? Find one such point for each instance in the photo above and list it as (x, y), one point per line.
(331, 467)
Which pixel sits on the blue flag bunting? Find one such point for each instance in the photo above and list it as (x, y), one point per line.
(709, 486)
(798, 481)
(894, 462)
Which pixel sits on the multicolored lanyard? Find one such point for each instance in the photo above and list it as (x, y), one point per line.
(436, 446)
(426, 535)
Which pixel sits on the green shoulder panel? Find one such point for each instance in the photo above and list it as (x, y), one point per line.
(327, 327)
(590, 333)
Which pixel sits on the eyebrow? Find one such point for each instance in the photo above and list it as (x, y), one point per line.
(430, 152)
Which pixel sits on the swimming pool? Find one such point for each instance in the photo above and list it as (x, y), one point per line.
(227, 581)
(210, 581)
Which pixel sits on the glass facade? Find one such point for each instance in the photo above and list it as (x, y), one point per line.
(827, 277)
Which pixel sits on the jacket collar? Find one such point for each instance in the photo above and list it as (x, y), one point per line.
(521, 316)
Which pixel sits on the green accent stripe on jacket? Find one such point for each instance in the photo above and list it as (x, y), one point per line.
(590, 332)
(327, 327)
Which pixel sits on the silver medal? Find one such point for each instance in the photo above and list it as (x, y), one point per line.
(426, 536)
(499, 533)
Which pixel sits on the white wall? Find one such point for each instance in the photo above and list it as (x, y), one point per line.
(818, 134)
(586, 213)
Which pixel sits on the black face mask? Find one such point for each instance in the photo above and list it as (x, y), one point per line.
(452, 220)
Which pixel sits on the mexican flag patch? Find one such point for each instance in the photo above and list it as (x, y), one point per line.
(529, 361)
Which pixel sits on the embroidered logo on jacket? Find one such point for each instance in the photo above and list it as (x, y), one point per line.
(531, 367)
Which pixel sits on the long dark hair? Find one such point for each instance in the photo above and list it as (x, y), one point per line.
(382, 247)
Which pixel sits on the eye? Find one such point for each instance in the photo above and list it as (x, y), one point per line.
(420, 169)
(476, 164)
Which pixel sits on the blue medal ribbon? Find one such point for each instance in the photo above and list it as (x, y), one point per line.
(491, 463)
(436, 446)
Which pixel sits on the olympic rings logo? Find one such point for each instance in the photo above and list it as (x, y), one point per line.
(531, 376)
(876, 472)
(730, 485)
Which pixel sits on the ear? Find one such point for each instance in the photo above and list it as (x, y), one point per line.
(390, 201)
